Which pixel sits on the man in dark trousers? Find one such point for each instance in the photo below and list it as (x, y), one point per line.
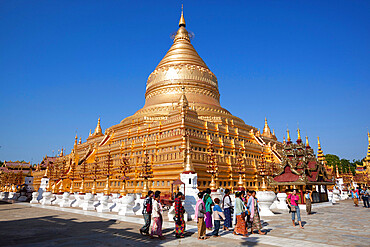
(147, 213)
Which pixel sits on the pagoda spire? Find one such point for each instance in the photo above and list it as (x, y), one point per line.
(188, 168)
(299, 140)
(76, 140)
(80, 141)
(183, 101)
(368, 148)
(182, 19)
(266, 130)
(98, 130)
(320, 153)
(307, 144)
(288, 136)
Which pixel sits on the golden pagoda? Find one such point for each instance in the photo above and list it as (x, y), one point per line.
(167, 126)
(362, 176)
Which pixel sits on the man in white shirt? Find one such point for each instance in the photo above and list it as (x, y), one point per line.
(227, 206)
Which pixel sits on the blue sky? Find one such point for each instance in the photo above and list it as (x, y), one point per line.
(65, 63)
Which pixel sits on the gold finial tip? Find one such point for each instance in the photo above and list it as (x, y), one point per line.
(182, 19)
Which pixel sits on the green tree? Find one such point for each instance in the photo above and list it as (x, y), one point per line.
(334, 161)
(345, 164)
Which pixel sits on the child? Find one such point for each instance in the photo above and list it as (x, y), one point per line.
(218, 215)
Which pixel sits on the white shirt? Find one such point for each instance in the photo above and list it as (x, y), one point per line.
(227, 202)
(157, 209)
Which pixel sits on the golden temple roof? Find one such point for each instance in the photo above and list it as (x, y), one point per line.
(182, 67)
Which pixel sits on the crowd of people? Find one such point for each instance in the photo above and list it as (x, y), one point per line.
(243, 213)
(361, 193)
(208, 214)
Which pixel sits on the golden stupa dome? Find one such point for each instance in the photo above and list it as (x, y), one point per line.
(182, 67)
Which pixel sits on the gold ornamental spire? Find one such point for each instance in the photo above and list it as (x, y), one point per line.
(98, 130)
(188, 163)
(368, 148)
(90, 133)
(299, 134)
(266, 130)
(80, 141)
(307, 144)
(76, 139)
(183, 101)
(320, 153)
(182, 19)
(288, 136)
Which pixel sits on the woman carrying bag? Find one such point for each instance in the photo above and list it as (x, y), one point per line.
(292, 200)
(240, 227)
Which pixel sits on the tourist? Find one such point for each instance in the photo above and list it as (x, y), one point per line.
(248, 214)
(292, 201)
(355, 196)
(147, 211)
(240, 227)
(308, 197)
(157, 217)
(227, 206)
(254, 214)
(365, 197)
(218, 215)
(200, 210)
(209, 203)
(179, 216)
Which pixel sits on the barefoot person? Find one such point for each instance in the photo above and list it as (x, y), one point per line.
(157, 217)
(227, 206)
(147, 211)
(209, 203)
(218, 215)
(254, 214)
(200, 211)
(292, 200)
(308, 197)
(179, 213)
(240, 227)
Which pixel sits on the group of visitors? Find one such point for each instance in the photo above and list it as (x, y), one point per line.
(363, 194)
(204, 212)
(152, 208)
(247, 212)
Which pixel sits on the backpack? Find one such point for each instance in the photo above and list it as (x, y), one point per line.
(148, 205)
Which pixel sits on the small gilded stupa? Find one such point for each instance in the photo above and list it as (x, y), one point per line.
(181, 117)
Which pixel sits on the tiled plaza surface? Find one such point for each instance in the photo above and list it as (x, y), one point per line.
(23, 224)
